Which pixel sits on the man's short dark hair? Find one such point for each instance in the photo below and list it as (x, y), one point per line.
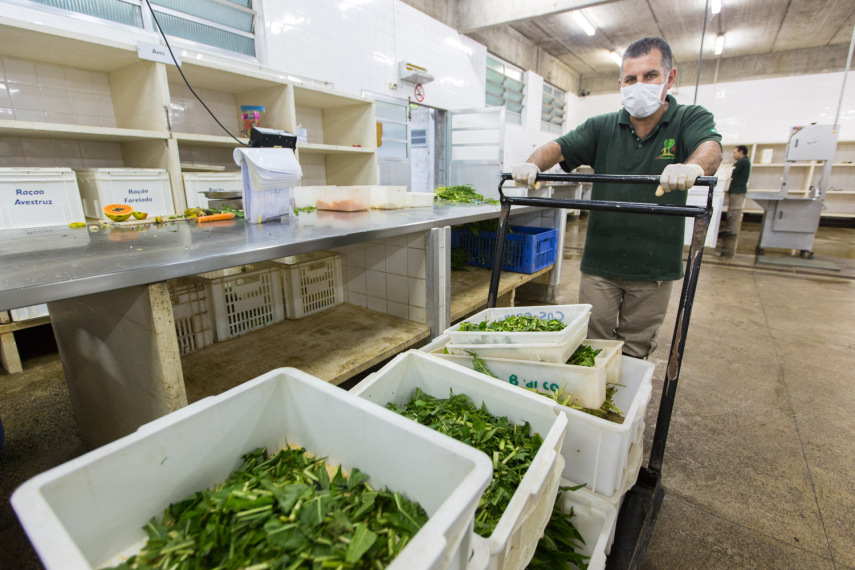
(743, 149)
(643, 46)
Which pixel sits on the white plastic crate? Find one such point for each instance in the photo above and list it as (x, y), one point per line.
(388, 197)
(575, 317)
(192, 314)
(513, 541)
(586, 384)
(419, 199)
(312, 282)
(89, 512)
(244, 298)
(143, 189)
(596, 451)
(31, 312)
(37, 197)
(197, 182)
(595, 518)
(343, 198)
(306, 195)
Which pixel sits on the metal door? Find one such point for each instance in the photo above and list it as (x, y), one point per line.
(475, 148)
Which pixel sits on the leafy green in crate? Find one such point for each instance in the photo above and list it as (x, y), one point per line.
(584, 356)
(515, 323)
(463, 193)
(291, 510)
(560, 541)
(512, 447)
(459, 257)
(491, 225)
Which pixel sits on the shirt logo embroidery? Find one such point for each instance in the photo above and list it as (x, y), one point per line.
(666, 150)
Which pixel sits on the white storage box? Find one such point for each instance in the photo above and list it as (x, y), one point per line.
(89, 512)
(586, 384)
(197, 182)
(305, 196)
(192, 314)
(575, 317)
(343, 198)
(143, 189)
(312, 282)
(596, 451)
(244, 298)
(37, 197)
(513, 541)
(388, 197)
(419, 199)
(31, 312)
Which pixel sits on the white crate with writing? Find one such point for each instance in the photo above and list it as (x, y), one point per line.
(37, 197)
(192, 313)
(312, 282)
(219, 183)
(31, 312)
(244, 298)
(512, 542)
(90, 512)
(143, 189)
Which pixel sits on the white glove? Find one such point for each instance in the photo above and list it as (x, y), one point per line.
(525, 174)
(679, 176)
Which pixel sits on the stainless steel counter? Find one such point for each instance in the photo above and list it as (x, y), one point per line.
(49, 264)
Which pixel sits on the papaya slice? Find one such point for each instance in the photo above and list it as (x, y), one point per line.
(140, 215)
(118, 212)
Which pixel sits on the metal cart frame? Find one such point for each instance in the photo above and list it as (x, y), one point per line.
(641, 504)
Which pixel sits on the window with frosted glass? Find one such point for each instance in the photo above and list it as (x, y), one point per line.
(394, 142)
(505, 88)
(552, 114)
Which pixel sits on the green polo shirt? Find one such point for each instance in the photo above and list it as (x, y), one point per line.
(636, 247)
(739, 177)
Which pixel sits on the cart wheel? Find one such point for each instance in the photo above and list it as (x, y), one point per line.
(807, 254)
(759, 250)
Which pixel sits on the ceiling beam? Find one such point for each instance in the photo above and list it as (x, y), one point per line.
(473, 15)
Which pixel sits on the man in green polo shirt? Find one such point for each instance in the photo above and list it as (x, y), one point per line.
(736, 192)
(631, 260)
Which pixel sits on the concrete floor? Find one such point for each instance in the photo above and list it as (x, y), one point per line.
(758, 468)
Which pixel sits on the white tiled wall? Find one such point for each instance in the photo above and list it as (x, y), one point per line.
(204, 155)
(357, 44)
(314, 169)
(51, 153)
(761, 110)
(313, 121)
(43, 93)
(187, 115)
(387, 275)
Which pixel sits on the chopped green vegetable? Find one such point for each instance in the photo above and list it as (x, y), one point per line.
(560, 541)
(515, 323)
(512, 447)
(285, 511)
(306, 209)
(225, 209)
(464, 193)
(584, 356)
(479, 365)
(459, 257)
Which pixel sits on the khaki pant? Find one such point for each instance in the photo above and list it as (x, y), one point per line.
(735, 202)
(631, 311)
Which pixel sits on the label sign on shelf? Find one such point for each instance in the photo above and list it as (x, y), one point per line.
(155, 52)
(420, 92)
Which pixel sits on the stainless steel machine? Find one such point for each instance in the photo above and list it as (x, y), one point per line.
(790, 222)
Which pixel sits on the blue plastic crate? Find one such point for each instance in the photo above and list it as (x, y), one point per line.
(526, 249)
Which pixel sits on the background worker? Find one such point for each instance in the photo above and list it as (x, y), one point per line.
(736, 192)
(631, 260)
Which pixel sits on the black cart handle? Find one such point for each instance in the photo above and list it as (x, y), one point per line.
(609, 206)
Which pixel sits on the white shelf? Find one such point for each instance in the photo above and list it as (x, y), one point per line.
(207, 140)
(313, 148)
(30, 129)
(190, 167)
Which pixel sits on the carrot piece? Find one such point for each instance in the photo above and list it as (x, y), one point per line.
(215, 217)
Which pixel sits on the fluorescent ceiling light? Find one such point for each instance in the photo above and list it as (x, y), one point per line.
(719, 44)
(715, 7)
(584, 23)
(616, 57)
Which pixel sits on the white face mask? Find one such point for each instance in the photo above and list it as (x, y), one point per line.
(642, 99)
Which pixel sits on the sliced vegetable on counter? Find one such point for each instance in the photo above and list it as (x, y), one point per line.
(463, 193)
(584, 356)
(515, 323)
(512, 447)
(215, 217)
(118, 212)
(291, 510)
